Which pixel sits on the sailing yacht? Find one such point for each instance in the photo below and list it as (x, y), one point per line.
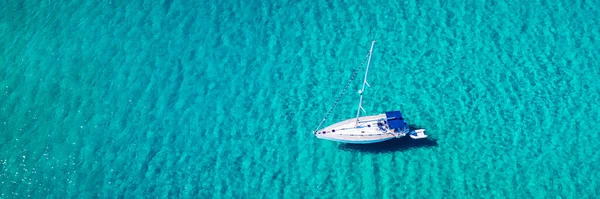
(367, 129)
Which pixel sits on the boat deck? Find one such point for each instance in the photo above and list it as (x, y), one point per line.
(368, 130)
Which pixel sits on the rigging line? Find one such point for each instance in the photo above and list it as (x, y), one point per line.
(343, 91)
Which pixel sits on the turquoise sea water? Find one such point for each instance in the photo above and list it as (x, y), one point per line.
(217, 99)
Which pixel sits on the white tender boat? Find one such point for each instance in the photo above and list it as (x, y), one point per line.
(367, 129)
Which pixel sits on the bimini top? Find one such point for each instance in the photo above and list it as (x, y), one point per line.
(395, 120)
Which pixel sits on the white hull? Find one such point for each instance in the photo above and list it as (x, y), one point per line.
(367, 131)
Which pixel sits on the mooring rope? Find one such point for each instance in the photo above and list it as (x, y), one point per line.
(343, 91)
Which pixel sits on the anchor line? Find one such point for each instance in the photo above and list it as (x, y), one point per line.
(343, 91)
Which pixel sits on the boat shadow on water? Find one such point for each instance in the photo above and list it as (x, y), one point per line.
(393, 145)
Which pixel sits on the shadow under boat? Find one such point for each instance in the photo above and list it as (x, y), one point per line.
(393, 145)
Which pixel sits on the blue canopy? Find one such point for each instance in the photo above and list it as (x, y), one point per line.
(395, 120)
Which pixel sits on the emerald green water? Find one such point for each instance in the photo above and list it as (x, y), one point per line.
(217, 99)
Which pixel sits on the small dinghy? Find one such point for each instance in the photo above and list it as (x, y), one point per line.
(418, 134)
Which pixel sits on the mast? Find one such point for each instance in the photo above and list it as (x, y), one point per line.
(361, 91)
